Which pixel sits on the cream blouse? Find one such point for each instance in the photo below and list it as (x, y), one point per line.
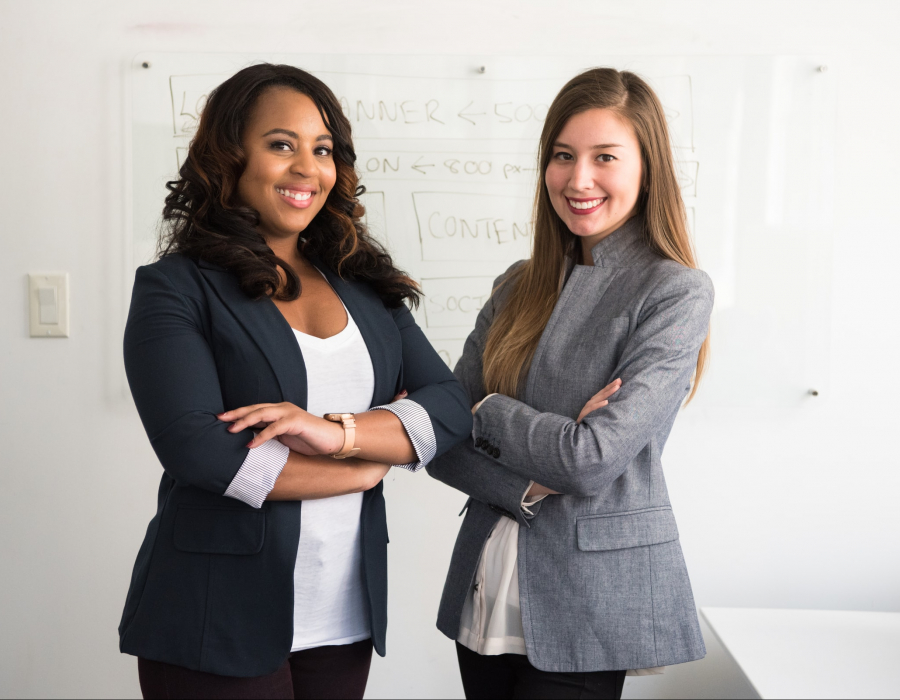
(491, 621)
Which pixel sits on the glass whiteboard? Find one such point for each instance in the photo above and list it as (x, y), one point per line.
(447, 152)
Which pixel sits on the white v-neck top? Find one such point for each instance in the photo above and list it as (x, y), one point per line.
(330, 598)
(330, 605)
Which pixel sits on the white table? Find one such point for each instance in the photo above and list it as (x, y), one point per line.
(812, 653)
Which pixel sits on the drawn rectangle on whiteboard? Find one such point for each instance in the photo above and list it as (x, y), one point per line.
(450, 349)
(687, 172)
(466, 226)
(676, 94)
(375, 218)
(454, 302)
(189, 94)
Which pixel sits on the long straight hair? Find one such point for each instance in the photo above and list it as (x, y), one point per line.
(535, 286)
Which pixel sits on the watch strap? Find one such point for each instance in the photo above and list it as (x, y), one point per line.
(348, 421)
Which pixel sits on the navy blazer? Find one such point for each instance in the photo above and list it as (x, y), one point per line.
(213, 587)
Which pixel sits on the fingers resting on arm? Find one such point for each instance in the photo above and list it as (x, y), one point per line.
(600, 399)
(379, 435)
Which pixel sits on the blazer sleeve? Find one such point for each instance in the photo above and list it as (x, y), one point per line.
(465, 467)
(656, 367)
(172, 374)
(430, 384)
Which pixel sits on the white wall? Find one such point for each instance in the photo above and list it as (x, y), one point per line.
(793, 508)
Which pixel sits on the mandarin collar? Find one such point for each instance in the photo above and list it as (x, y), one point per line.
(623, 247)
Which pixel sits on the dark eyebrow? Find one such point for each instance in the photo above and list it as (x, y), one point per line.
(294, 135)
(601, 145)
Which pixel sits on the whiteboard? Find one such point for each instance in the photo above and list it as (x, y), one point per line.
(447, 151)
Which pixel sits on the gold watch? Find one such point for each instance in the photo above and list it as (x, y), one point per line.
(348, 420)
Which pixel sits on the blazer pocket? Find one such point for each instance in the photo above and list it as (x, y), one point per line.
(636, 528)
(219, 530)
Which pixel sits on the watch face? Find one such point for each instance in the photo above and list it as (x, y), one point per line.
(337, 417)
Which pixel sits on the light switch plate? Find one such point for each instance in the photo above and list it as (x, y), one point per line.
(48, 302)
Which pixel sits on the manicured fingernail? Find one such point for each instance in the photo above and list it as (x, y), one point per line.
(249, 443)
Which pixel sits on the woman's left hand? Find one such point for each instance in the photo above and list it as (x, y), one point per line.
(600, 399)
(298, 429)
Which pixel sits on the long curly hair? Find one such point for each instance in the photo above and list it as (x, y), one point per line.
(204, 218)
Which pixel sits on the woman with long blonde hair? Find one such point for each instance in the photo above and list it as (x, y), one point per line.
(567, 571)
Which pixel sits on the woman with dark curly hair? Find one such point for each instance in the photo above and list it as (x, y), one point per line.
(257, 349)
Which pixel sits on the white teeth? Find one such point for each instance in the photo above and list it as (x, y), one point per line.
(585, 205)
(299, 196)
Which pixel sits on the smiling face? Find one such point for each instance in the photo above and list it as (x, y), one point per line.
(290, 167)
(594, 175)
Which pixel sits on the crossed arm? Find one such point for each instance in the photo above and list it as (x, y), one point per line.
(175, 383)
(583, 457)
(596, 402)
(310, 472)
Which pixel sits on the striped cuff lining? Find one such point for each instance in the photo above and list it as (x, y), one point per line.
(418, 427)
(256, 477)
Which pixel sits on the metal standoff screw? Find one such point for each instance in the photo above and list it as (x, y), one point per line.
(823, 68)
(145, 64)
(482, 69)
(813, 392)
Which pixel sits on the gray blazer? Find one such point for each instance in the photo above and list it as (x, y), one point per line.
(602, 580)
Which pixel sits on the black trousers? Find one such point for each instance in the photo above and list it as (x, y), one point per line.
(511, 676)
(323, 672)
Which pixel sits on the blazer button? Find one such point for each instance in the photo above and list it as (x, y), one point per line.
(479, 441)
(496, 452)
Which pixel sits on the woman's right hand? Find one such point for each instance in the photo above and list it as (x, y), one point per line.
(310, 435)
(600, 399)
(538, 490)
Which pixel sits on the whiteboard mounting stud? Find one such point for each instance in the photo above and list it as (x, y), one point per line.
(145, 64)
(482, 69)
(822, 69)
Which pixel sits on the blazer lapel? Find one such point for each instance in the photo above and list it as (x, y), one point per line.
(373, 321)
(582, 292)
(267, 328)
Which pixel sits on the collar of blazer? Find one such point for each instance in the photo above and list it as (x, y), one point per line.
(623, 247)
(273, 335)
